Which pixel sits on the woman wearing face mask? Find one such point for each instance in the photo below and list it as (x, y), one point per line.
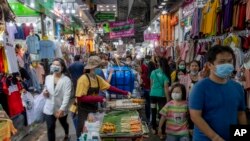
(57, 91)
(175, 113)
(181, 67)
(88, 87)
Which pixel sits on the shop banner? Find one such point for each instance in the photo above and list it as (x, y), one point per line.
(122, 29)
(151, 37)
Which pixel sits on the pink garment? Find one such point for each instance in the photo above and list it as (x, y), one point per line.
(40, 73)
(186, 81)
(183, 51)
(248, 11)
(247, 77)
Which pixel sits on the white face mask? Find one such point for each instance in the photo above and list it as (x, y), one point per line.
(176, 96)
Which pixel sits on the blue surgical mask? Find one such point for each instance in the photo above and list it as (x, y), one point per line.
(224, 70)
(182, 67)
(55, 69)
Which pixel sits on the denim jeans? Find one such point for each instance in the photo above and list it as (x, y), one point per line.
(75, 119)
(177, 138)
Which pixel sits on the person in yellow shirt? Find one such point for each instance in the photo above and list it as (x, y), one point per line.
(87, 90)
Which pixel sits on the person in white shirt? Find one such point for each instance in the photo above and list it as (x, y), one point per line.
(58, 88)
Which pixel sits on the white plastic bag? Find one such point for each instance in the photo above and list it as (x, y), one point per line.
(39, 102)
(28, 103)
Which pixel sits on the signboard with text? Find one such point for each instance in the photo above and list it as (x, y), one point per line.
(122, 29)
(151, 37)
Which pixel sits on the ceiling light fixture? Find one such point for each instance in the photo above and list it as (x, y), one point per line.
(107, 6)
(108, 9)
(164, 3)
(73, 11)
(114, 9)
(114, 5)
(160, 6)
(101, 6)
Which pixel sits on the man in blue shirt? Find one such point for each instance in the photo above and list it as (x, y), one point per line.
(76, 69)
(217, 102)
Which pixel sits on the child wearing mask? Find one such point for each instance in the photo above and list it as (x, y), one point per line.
(175, 113)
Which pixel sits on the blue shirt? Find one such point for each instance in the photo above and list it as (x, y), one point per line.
(33, 44)
(76, 71)
(219, 103)
(47, 49)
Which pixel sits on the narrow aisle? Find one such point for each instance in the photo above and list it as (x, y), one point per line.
(41, 133)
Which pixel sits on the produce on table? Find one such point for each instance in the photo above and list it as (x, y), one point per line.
(108, 128)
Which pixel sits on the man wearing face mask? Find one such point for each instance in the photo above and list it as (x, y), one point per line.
(217, 102)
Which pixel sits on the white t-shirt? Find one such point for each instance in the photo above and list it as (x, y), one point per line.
(11, 29)
(10, 54)
(58, 51)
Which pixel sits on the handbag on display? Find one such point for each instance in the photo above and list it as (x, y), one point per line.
(2, 21)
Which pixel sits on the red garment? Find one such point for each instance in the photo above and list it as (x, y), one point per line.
(1, 59)
(14, 98)
(145, 77)
(246, 44)
(95, 99)
(90, 99)
(242, 16)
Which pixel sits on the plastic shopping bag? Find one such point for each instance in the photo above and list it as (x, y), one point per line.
(28, 103)
(39, 102)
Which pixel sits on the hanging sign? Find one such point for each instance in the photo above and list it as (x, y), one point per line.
(122, 29)
(151, 36)
(101, 17)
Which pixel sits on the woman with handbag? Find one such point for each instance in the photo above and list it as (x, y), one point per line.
(58, 87)
(87, 90)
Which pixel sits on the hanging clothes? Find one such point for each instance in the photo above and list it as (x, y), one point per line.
(14, 97)
(10, 54)
(248, 11)
(228, 13)
(33, 44)
(47, 49)
(210, 10)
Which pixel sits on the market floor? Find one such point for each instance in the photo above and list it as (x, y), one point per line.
(40, 134)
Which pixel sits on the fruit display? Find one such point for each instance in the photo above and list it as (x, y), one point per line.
(108, 128)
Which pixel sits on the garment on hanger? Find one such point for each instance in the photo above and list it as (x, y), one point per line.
(33, 44)
(14, 97)
(248, 11)
(11, 29)
(228, 13)
(10, 54)
(20, 33)
(40, 72)
(47, 49)
(58, 52)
